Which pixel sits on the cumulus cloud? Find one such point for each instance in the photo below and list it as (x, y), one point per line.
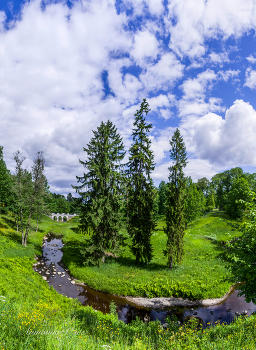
(51, 65)
(251, 59)
(225, 75)
(155, 7)
(53, 94)
(250, 80)
(198, 20)
(193, 101)
(219, 58)
(228, 141)
(196, 168)
(163, 74)
(145, 46)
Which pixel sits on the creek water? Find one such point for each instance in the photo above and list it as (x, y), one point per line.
(51, 268)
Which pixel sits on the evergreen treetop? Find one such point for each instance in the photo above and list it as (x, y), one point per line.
(141, 192)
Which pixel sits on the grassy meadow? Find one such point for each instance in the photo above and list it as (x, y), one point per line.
(34, 316)
(201, 275)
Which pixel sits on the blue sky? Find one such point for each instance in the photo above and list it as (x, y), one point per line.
(66, 66)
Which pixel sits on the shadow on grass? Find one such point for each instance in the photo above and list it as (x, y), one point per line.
(72, 254)
(219, 214)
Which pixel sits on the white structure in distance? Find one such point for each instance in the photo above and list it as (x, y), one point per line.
(60, 217)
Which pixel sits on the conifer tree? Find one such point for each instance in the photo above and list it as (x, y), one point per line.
(161, 191)
(141, 191)
(101, 190)
(175, 201)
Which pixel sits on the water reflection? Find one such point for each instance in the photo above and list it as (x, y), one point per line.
(52, 270)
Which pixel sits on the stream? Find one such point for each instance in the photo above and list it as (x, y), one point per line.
(52, 270)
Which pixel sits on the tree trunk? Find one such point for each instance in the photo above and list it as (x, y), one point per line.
(170, 265)
(29, 218)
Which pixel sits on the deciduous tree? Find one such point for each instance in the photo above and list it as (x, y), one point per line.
(5, 184)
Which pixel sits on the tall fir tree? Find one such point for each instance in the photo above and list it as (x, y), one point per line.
(141, 191)
(101, 190)
(162, 194)
(175, 201)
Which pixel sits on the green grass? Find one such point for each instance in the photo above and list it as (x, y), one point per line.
(202, 274)
(34, 316)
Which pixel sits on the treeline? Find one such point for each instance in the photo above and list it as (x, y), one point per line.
(58, 203)
(25, 194)
(224, 192)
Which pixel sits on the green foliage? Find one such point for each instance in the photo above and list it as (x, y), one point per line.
(112, 308)
(140, 190)
(239, 191)
(175, 201)
(6, 199)
(101, 191)
(222, 184)
(195, 201)
(242, 252)
(162, 197)
(203, 185)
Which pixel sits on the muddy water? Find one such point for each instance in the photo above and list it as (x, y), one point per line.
(52, 270)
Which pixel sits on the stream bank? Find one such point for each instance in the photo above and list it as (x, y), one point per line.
(210, 311)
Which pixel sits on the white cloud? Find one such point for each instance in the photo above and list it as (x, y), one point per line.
(155, 7)
(198, 20)
(251, 59)
(196, 168)
(225, 75)
(2, 20)
(219, 58)
(195, 92)
(228, 141)
(196, 88)
(160, 101)
(163, 74)
(145, 46)
(250, 78)
(51, 91)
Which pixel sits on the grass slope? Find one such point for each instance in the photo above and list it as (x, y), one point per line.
(201, 275)
(34, 316)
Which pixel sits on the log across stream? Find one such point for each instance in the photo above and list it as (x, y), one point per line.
(52, 270)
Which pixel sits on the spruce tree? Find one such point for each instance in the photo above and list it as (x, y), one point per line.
(161, 191)
(175, 201)
(141, 191)
(101, 190)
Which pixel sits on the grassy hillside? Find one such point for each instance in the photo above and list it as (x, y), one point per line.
(201, 275)
(34, 316)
